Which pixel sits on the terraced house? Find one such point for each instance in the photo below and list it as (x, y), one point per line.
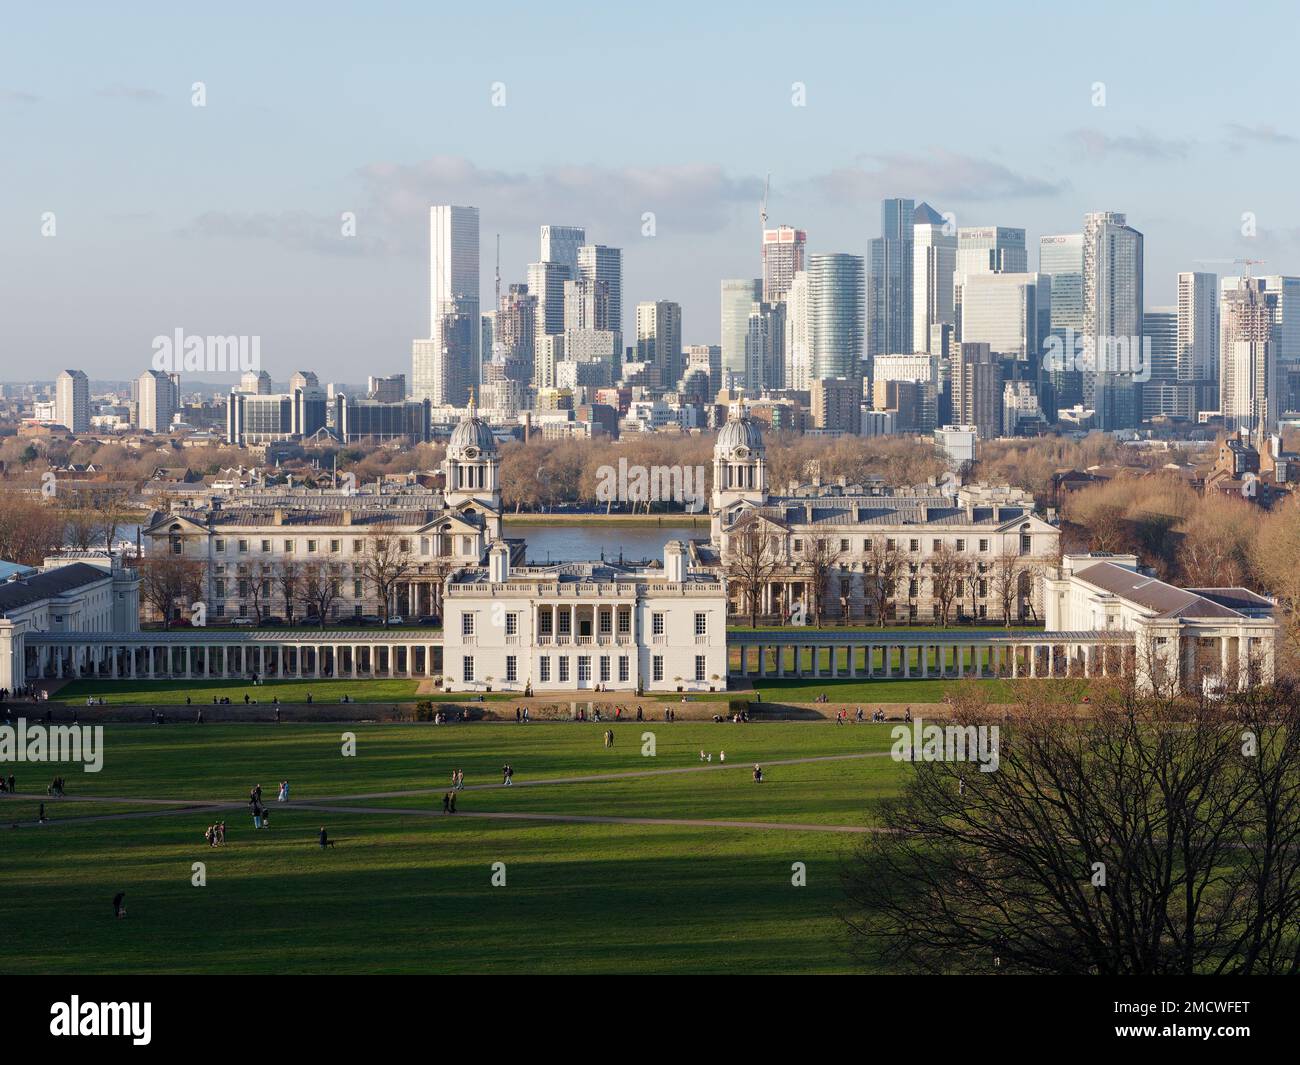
(857, 553)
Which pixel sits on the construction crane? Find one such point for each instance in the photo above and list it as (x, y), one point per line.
(762, 211)
(1246, 263)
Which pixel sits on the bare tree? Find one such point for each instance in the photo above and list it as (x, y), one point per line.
(822, 561)
(170, 585)
(318, 588)
(1159, 836)
(947, 576)
(752, 558)
(288, 575)
(386, 562)
(1006, 579)
(884, 568)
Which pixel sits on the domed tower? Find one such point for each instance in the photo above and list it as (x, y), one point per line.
(739, 462)
(473, 464)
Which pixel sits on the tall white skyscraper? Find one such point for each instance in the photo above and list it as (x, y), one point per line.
(890, 280)
(1248, 374)
(72, 400)
(659, 338)
(444, 370)
(560, 244)
(1001, 310)
(986, 250)
(1060, 257)
(934, 259)
(798, 334)
(784, 251)
(157, 397)
(1112, 318)
(596, 262)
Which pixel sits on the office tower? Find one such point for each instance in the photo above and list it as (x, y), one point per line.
(1161, 395)
(1021, 411)
(516, 328)
(546, 284)
(934, 258)
(836, 404)
(587, 305)
(738, 296)
(1060, 257)
(784, 249)
(256, 383)
(986, 250)
(1198, 342)
(977, 389)
(72, 400)
(391, 389)
(1112, 320)
(920, 369)
(765, 346)
(308, 403)
(547, 355)
(889, 281)
(596, 262)
(708, 356)
(1001, 310)
(1248, 372)
(836, 302)
(444, 370)
(1285, 292)
(659, 338)
(157, 398)
(487, 332)
(560, 244)
(798, 334)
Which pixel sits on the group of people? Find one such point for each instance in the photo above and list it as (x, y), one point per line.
(55, 788)
(507, 774)
(216, 834)
(609, 737)
(7, 784)
(521, 715)
(457, 779)
(708, 757)
(261, 815)
(449, 802)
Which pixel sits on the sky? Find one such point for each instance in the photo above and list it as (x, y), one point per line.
(126, 212)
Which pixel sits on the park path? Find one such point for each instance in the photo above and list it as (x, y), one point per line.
(329, 803)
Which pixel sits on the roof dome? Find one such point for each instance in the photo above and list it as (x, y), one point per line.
(472, 432)
(739, 432)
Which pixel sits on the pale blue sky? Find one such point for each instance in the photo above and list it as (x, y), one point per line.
(225, 219)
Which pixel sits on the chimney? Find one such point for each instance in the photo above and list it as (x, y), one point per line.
(499, 563)
(347, 517)
(675, 562)
(278, 519)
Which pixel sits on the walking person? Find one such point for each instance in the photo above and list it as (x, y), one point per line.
(446, 802)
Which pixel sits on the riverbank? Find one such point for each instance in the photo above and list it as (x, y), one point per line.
(652, 521)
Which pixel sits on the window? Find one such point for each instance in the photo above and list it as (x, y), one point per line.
(564, 669)
(544, 669)
(356, 589)
(701, 623)
(467, 624)
(510, 669)
(606, 622)
(798, 546)
(914, 545)
(467, 669)
(566, 622)
(844, 545)
(358, 547)
(657, 623)
(584, 669)
(512, 624)
(891, 544)
(866, 544)
(219, 545)
(657, 668)
(961, 545)
(624, 672)
(243, 546)
(604, 669)
(311, 547)
(624, 621)
(404, 545)
(266, 547)
(544, 622)
(700, 673)
(936, 545)
(288, 547)
(984, 545)
(335, 545)
(1026, 543)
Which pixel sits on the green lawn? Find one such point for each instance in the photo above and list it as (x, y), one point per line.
(411, 892)
(172, 692)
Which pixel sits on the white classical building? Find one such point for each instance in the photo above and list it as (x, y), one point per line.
(1188, 639)
(255, 544)
(591, 626)
(75, 592)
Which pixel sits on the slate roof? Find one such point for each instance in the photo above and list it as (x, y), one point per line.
(1155, 595)
(58, 581)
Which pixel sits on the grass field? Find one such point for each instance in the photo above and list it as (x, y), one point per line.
(408, 889)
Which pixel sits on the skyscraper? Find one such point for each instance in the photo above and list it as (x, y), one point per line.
(1248, 374)
(157, 397)
(836, 295)
(443, 370)
(986, 250)
(977, 389)
(934, 258)
(1197, 351)
(798, 334)
(1001, 310)
(516, 328)
(659, 338)
(560, 244)
(1060, 257)
(1112, 319)
(784, 250)
(596, 262)
(1161, 395)
(738, 296)
(72, 400)
(890, 280)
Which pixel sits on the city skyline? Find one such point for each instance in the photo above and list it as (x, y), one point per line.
(226, 219)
